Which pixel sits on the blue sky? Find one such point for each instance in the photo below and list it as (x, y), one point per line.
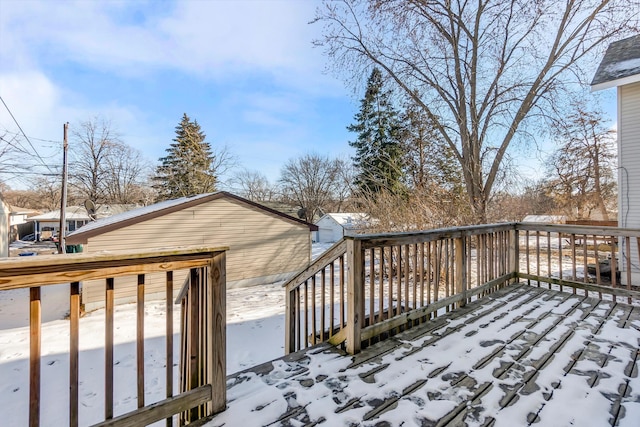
(246, 70)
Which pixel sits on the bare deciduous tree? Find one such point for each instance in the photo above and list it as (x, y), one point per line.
(126, 174)
(103, 169)
(92, 143)
(479, 70)
(48, 192)
(43, 194)
(12, 155)
(582, 170)
(312, 182)
(253, 185)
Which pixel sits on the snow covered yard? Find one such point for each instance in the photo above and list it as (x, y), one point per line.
(255, 335)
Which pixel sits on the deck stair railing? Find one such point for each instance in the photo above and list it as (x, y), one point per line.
(370, 286)
(202, 361)
(323, 280)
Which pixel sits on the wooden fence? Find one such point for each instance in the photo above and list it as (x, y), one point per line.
(368, 287)
(202, 359)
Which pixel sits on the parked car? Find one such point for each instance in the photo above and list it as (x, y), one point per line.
(28, 238)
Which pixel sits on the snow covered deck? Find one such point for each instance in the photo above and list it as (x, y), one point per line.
(523, 355)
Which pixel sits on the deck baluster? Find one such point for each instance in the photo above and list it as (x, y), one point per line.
(108, 349)
(74, 330)
(35, 322)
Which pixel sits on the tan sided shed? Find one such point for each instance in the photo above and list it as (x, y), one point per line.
(265, 245)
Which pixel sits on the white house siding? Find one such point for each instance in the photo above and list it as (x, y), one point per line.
(329, 230)
(263, 247)
(629, 168)
(4, 229)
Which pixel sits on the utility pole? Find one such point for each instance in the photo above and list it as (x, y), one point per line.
(63, 198)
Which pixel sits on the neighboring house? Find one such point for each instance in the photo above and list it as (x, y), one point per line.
(265, 245)
(47, 224)
(333, 226)
(5, 211)
(553, 219)
(620, 68)
(19, 226)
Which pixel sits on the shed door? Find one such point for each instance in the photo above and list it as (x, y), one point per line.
(325, 234)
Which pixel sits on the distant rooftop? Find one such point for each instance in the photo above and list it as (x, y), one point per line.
(349, 219)
(79, 213)
(554, 219)
(620, 65)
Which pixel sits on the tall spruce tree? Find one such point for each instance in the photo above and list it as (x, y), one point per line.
(188, 169)
(429, 162)
(378, 158)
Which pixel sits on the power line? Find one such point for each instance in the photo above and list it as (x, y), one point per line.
(14, 142)
(25, 135)
(31, 137)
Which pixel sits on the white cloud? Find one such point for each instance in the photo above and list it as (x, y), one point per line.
(257, 53)
(41, 108)
(210, 39)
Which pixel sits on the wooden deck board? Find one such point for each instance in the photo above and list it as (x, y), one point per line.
(542, 345)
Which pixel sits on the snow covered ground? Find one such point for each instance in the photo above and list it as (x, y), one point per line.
(255, 334)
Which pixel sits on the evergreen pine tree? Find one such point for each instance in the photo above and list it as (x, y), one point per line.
(378, 158)
(429, 161)
(187, 169)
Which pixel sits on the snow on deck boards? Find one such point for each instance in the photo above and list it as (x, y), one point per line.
(522, 356)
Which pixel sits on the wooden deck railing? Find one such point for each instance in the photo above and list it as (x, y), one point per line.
(202, 362)
(397, 280)
(599, 261)
(311, 289)
(394, 281)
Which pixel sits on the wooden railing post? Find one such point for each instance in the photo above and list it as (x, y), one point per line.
(217, 346)
(289, 321)
(461, 268)
(514, 250)
(355, 281)
(35, 321)
(192, 358)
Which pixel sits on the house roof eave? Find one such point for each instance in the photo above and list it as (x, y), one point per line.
(615, 83)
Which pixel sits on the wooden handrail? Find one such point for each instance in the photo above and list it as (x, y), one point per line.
(24, 272)
(578, 229)
(409, 237)
(331, 254)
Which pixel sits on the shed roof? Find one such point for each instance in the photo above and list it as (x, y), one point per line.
(146, 213)
(620, 65)
(348, 219)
